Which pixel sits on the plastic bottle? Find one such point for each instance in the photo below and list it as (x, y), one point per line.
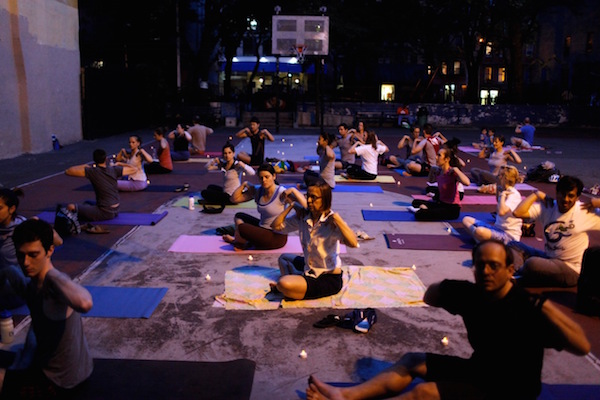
(191, 202)
(154, 154)
(7, 327)
(55, 143)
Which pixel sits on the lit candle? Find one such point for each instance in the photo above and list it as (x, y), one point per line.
(444, 341)
(250, 258)
(303, 354)
(208, 278)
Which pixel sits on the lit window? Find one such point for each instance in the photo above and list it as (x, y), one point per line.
(493, 96)
(444, 68)
(429, 70)
(484, 96)
(488, 49)
(501, 75)
(456, 67)
(388, 92)
(488, 74)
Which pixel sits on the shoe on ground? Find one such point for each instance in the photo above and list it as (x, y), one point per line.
(370, 318)
(412, 209)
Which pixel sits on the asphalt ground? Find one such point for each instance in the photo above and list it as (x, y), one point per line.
(187, 326)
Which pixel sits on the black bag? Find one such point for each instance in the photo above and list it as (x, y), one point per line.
(66, 222)
(542, 174)
(588, 285)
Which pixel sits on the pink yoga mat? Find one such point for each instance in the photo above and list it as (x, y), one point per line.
(488, 200)
(215, 244)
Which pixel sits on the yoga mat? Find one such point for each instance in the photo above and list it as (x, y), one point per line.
(405, 215)
(153, 188)
(404, 241)
(379, 179)
(483, 199)
(215, 244)
(183, 202)
(176, 380)
(118, 302)
(468, 149)
(518, 186)
(357, 189)
(364, 286)
(124, 218)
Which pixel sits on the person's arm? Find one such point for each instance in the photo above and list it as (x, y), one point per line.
(503, 209)
(590, 205)
(462, 178)
(522, 210)
(574, 339)
(129, 170)
(75, 296)
(513, 156)
(243, 193)
(402, 141)
(278, 222)
(171, 135)
(348, 234)
(147, 157)
(330, 153)
(209, 131)
(248, 169)
(352, 150)
(432, 295)
(419, 147)
(267, 134)
(213, 164)
(439, 135)
(242, 133)
(187, 136)
(77, 170)
(291, 195)
(518, 128)
(122, 155)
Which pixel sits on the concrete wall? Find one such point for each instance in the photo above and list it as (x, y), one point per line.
(39, 75)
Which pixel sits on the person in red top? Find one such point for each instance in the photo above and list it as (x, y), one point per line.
(164, 163)
(446, 206)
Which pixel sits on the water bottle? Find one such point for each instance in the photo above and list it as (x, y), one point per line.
(55, 144)
(154, 155)
(191, 202)
(7, 327)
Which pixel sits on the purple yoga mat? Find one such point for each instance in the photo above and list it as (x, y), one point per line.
(123, 218)
(215, 244)
(487, 200)
(410, 241)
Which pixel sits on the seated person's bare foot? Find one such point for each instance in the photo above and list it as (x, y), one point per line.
(318, 390)
(228, 238)
(237, 245)
(274, 289)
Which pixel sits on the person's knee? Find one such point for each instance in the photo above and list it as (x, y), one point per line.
(468, 221)
(425, 390)
(481, 233)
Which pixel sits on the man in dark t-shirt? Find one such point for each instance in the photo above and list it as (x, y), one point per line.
(104, 181)
(257, 140)
(507, 327)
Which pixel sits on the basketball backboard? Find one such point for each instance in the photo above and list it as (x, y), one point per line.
(293, 31)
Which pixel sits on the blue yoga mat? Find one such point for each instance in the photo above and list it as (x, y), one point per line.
(357, 189)
(118, 302)
(124, 218)
(401, 216)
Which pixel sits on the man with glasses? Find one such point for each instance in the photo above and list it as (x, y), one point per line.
(493, 311)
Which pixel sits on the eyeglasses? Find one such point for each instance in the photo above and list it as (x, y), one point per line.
(494, 266)
(313, 197)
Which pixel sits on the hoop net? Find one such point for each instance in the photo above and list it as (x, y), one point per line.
(300, 52)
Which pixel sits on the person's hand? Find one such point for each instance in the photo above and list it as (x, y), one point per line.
(588, 206)
(504, 194)
(546, 200)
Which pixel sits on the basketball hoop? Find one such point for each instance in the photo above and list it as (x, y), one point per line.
(300, 51)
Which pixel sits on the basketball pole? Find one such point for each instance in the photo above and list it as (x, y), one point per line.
(277, 94)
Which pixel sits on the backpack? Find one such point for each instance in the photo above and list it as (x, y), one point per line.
(588, 285)
(544, 172)
(66, 222)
